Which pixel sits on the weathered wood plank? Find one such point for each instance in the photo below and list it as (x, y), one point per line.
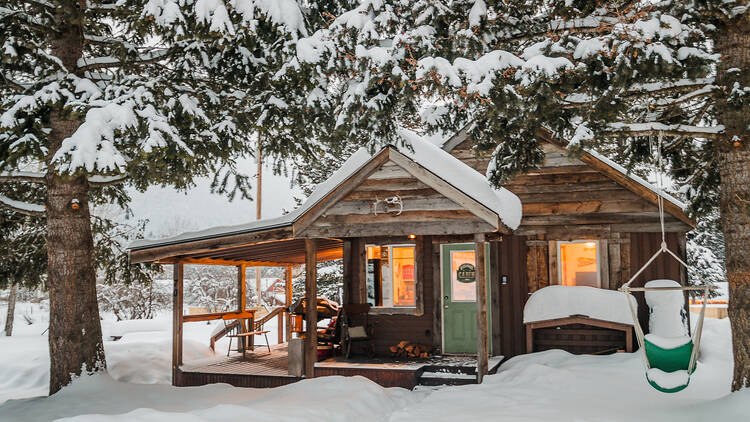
(311, 310)
(481, 287)
(409, 205)
(369, 195)
(177, 303)
(288, 301)
(572, 196)
(406, 228)
(406, 216)
(406, 183)
(389, 170)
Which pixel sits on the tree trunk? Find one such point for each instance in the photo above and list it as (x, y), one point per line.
(11, 310)
(733, 154)
(75, 332)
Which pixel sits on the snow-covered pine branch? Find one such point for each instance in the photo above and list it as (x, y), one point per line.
(656, 129)
(25, 208)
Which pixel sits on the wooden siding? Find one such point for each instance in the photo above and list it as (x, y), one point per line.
(642, 247)
(579, 339)
(425, 210)
(508, 319)
(568, 197)
(389, 329)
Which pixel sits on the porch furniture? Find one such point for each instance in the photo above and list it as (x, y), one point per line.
(238, 329)
(579, 334)
(355, 327)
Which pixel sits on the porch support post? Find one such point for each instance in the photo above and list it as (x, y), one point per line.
(177, 300)
(288, 302)
(481, 285)
(241, 304)
(311, 306)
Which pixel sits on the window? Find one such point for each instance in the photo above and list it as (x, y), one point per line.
(579, 263)
(391, 276)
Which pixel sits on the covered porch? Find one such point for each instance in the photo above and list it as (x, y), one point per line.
(416, 231)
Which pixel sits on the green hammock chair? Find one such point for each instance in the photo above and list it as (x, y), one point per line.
(674, 364)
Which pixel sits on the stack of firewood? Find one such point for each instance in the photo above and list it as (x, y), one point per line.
(407, 349)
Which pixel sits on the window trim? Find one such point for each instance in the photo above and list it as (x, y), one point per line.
(599, 268)
(418, 308)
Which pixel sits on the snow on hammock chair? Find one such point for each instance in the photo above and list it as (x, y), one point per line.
(669, 361)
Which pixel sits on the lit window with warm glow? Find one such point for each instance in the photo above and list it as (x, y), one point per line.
(579, 263)
(391, 276)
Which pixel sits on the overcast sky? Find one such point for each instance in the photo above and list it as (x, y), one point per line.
(171, 212)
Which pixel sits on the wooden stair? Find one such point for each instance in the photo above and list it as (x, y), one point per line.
(458, 373)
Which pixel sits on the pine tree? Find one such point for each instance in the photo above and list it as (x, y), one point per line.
(607, 76)
(99, 93)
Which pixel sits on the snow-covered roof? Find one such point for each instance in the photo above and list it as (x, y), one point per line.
(422, 151)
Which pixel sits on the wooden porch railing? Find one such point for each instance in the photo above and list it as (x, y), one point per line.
(257, 325)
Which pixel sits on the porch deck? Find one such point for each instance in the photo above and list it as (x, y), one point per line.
(261, 369)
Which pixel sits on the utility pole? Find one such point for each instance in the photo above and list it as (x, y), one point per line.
(258, 214)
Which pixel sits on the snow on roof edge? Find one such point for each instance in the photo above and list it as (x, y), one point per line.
(350, 166)
(682, 205)
(460, 175)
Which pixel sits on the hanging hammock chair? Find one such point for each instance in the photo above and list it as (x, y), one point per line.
(669, 362)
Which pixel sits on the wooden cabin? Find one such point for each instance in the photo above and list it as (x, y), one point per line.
(414, 226)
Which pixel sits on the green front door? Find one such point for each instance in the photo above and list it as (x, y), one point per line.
(459, 297)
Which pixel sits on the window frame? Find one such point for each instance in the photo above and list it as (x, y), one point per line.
(559, 264)
(418, 308)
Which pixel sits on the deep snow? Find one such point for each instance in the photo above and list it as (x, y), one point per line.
(548, 386)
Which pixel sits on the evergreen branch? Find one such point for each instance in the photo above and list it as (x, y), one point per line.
(16, 86)
(22, 177)
(692, 86)
(101, 181)
(33, 210)
(25, 18)
(86, 65)
(655, 128)
(35, 177)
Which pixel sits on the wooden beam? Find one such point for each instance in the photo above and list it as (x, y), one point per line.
(288, 301)
(209, 244)
(311, 306)
(241, 288)
(218, 315)
(223, 262)
(482, 332)
(242, 305)
(177, 300)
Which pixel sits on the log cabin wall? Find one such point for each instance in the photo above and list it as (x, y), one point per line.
(394, 324)
(566, 199)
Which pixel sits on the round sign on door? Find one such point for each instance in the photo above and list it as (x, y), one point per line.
(463, 276)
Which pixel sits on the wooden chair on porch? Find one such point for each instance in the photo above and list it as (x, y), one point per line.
(238, 329)
(355, 328)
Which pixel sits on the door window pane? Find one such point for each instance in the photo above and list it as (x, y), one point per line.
(578, 264)
(463, 288)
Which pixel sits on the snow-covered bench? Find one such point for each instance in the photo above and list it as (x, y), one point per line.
(578, 319)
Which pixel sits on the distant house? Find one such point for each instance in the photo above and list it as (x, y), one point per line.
(413, 223)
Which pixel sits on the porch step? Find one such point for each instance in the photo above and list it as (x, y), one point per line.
(446, 378)
(460, 372)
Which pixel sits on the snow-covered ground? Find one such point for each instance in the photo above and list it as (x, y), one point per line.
(548, 386)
